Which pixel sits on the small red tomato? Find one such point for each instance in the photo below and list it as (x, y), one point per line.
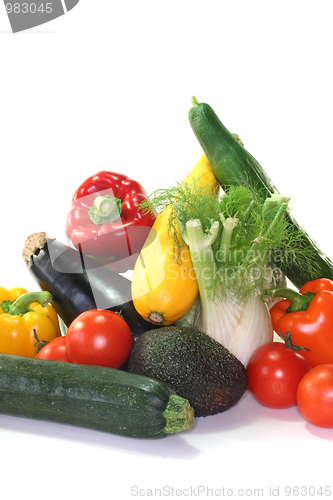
(54, 350)
(315, 396)
(274, 372)
(99, 337)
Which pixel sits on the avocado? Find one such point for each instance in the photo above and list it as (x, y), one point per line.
(193, 364)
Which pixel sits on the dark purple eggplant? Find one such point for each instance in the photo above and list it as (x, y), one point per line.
(77, 283)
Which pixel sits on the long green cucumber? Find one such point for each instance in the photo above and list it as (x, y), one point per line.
(234, 165)
(94, 397)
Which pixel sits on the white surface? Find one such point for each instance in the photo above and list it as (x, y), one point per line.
(108, 86)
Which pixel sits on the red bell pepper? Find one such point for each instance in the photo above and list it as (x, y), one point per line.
(308, 316)
(105, 222)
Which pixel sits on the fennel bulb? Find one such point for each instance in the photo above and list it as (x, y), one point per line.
(239, 325)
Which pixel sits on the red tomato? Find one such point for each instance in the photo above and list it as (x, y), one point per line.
(99, 337)
(315, 396)
(274, 372)
(54, 350)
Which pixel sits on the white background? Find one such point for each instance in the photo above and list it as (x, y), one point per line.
(108, 86)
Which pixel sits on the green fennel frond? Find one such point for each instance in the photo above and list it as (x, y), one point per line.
(261, 239)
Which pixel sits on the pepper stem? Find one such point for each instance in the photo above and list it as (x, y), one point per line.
(105, 209)
(298, 302)
(103, 205)
(21, 305)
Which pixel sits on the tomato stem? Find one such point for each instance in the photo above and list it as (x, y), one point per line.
(39, 344)
(289, 344)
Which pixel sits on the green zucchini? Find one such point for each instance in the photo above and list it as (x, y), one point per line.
(94, 397)
(232, 164)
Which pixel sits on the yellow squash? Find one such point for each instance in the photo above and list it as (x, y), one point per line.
(164, 287)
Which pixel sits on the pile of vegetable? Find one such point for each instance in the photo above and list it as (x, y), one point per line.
(194, 328)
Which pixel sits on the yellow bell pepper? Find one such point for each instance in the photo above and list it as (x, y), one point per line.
(23, 317)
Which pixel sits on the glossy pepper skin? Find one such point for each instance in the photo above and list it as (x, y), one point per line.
(22, 315)
(308, 316)
(104, 221)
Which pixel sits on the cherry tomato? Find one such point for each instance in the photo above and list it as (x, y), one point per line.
(54, 350)
(274, 372)
(315, 396)
(99, 337)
